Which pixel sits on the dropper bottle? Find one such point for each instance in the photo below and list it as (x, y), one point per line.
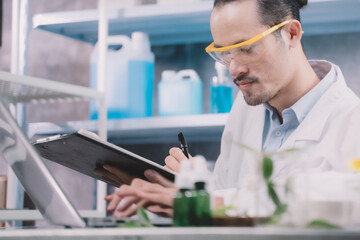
(200, 199)
(182, 204)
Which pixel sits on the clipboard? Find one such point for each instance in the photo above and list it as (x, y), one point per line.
(84, 151)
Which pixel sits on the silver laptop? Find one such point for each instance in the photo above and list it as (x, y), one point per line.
(33, 174)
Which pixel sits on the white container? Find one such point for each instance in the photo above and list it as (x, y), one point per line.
(180, 94)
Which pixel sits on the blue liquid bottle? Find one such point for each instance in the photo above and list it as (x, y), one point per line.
(130, 78)
(221, 91)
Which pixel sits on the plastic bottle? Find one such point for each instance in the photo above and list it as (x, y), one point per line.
(182, 205)
(180, 95)
(141, 77)
(130, 77)
(200, 199)
(221, 90)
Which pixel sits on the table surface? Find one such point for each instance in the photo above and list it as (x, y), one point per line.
(199, 233)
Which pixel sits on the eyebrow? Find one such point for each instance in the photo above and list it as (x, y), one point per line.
(219, 46)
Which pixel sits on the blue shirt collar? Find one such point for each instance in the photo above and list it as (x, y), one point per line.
(303, 106)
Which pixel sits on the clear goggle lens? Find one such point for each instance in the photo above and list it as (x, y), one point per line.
(243, 55)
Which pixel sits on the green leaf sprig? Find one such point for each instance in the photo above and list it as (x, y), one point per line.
(267, 169)
(141, 221)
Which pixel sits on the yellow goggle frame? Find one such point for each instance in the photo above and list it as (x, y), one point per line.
(212, 48)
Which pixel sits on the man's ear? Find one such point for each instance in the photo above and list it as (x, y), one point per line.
(292, 33)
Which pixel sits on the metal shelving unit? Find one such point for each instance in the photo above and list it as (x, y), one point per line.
(25, 89)
(205, 127)
(17, 89)
(189, 22)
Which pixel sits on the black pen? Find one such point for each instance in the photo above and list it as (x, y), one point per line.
(183, 144)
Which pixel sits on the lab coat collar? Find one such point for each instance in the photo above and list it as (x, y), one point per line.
(312, 126)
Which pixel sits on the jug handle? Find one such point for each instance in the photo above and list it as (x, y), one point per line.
(116, 40)
(188, 72)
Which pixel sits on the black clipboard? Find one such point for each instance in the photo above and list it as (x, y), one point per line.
(84, 151)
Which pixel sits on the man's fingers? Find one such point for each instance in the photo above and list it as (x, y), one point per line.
(120, 174)
(114, 202)
(158, 198)
(156, 177)
(177, 153)
(161, 211)
(108, 176)
(130, 210)
(109, 197)
(126, 202)
(172, 163)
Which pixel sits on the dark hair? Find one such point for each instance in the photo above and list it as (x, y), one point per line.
(273, 12)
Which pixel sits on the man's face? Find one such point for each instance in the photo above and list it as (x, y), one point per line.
(263, 79)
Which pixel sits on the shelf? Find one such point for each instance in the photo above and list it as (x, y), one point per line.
(33, 214)
(184, 233)
(165, 24)
(206, 127)
(15, 88)
(189, 22)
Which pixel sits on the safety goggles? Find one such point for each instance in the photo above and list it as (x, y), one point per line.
(245, 52)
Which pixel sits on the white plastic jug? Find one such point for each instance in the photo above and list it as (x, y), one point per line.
(130, 77)
(180, 94)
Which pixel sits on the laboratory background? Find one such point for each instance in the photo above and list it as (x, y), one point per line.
(60, 58)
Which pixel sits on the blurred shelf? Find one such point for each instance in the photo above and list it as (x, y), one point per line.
(188, 22)
(205, 127)
(165, 24)
(184, 233)
(33, 214)
(15, 88)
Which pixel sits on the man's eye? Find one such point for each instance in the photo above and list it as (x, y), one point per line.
(246, 50)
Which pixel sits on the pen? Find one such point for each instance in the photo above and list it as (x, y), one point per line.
(183, 144)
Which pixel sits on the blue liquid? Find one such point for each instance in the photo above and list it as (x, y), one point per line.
(134, 101)
(221, 99)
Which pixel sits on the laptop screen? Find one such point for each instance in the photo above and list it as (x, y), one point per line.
(33, 174)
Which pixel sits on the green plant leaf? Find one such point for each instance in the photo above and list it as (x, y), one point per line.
(273, 194)
(141, 221)
(280, 209)
(221, 211)
(131, 224)
(322, 224)
(267, 167)
(143, 218)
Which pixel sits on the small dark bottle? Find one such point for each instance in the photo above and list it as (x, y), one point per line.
(182, 200)
(200, 202)
(200, 199)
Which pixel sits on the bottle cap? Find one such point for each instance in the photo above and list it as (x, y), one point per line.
(140, 41)
(222, 72)
(201, 173)
(183, 178)
(168, 75)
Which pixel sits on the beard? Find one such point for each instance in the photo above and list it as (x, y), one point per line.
(258, 97)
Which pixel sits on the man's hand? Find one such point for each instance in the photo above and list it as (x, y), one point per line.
(114, 175)
(172, 161)
(126, 202)
(153, 197)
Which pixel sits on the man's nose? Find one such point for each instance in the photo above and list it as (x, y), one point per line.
(237, 69)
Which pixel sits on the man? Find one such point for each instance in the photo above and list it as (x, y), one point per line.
(285, 102)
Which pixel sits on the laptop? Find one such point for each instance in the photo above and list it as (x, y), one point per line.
(39, 183)
(34, 175)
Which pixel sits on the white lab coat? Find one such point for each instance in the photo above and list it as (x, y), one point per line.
(331, 128)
